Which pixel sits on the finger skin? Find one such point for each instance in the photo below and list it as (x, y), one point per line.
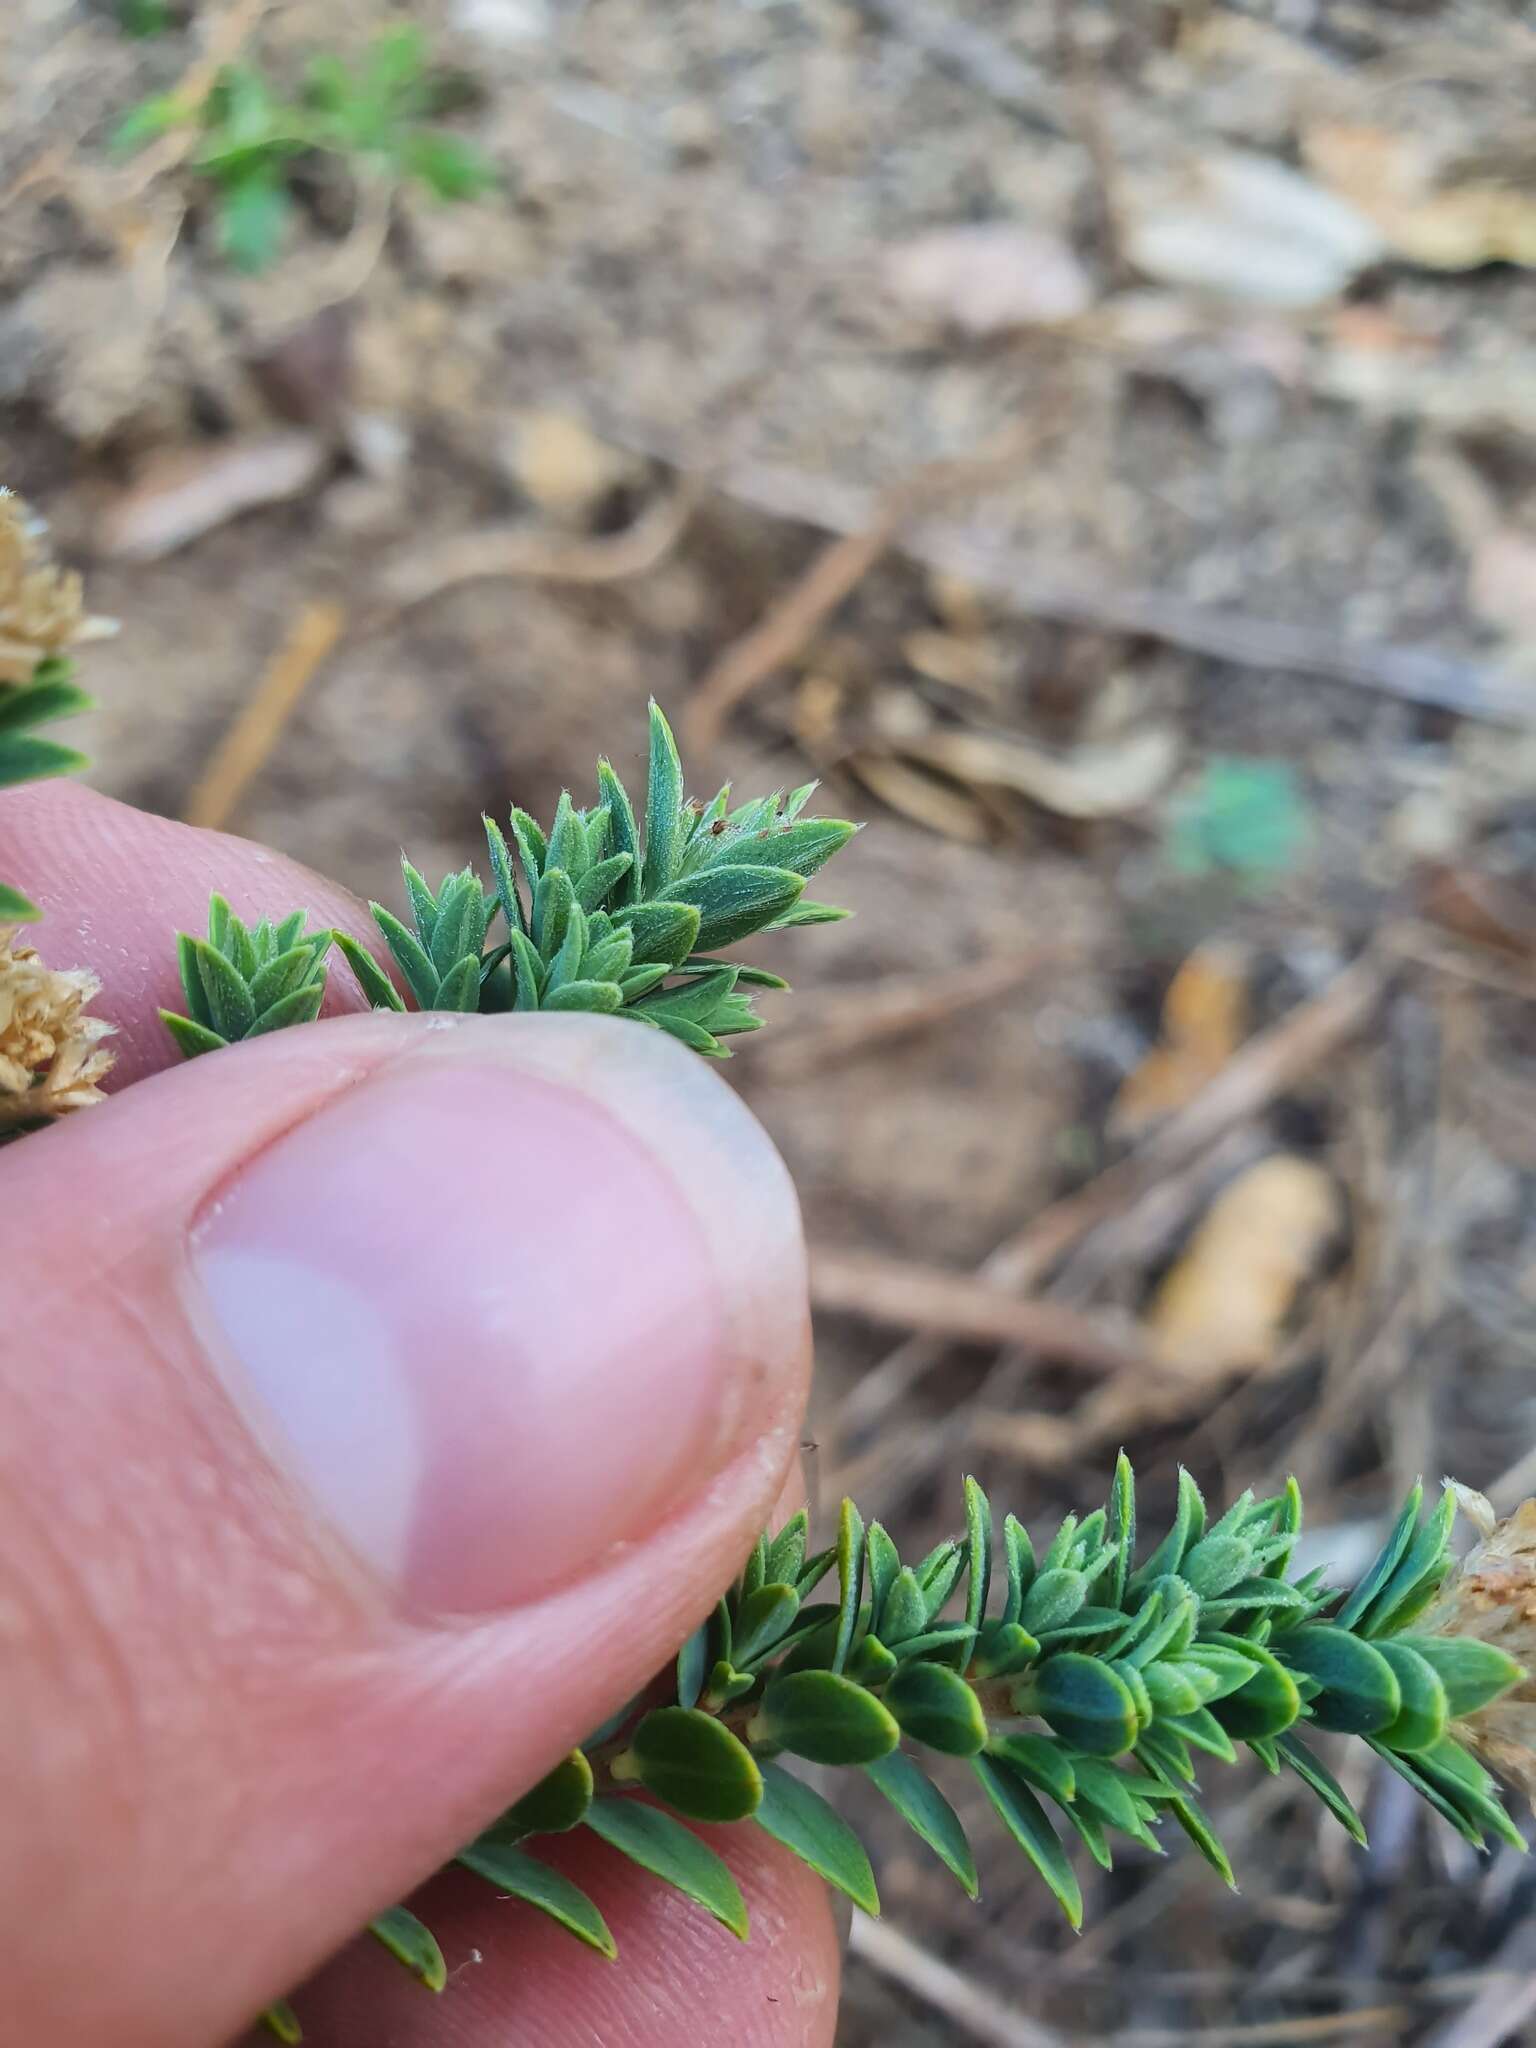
(115, 886)
(514, 1976)
(223, 1753)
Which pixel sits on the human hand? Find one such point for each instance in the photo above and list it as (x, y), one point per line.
(379, 1408)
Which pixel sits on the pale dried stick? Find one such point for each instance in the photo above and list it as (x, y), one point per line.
(248, 744)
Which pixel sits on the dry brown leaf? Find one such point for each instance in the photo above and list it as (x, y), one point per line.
(1485, 910)
(1391, 178)
(1223, 1306)
(1102, 780)
(1245, 227)
(924, 798)
(1205, 1020)
(966, 662)
(182, 495)
(988, 277)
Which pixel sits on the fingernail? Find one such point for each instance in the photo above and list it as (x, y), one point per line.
(496, 1309)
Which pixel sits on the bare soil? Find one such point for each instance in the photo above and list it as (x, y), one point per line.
(1185, 519)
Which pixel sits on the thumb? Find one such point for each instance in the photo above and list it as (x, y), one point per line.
(381, 1404)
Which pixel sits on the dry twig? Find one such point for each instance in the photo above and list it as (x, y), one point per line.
(965, 1309)
(418, 573)
(798, 613)
(248, 744)
(1419, 675)
(960, 1998)
(848, 1027)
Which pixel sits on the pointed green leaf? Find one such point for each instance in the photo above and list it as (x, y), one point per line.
(460, 927)
(1201, 1730)
(1021, 1566)
(1041, 1759)
(1024, 1817)
(603, 997)
(1421, 1721)
(735, 902)
(1449, 1808)
(664, 822)
(1360, 1694)
(301, 1006)
(527, 972)
(800, 848)
(694, 1763)
(412, 1944)
(661, 931)
(1121, 1521)
(16, 908)
(282, 2022)
(1001, 1648)
(24, 758)
(850, 1580)
(554, 1806)
(928, 1813)
(871, 1663)
(39, 703)
(459, 989)
(622, 835)
(1172, 1691)
(1085, 1702)
(978, 1527)
(600, 881)
(936, 1707)
(884, 1564)
(825, 1718)
(672, 1852)
(567, 840)
(373, 981)
(1472, 1672)
(1214, 1564)
(511, 1871)
(501, 871)
(905, 1610)
(423, 902)
(410, 956)
(1188, 1523)
(1387, 1560)
(807, 913)
(1423, 1560)
(1314, 1773)
(553, 901)
(694, 1036)
(1191, 1817)
(786, 1553)
(532, 846)
(282, 974)
(763, 1618)
(1053, 1599)
(803, 1821)
(1113, 1794)
(191, 1038)
(230, 1009)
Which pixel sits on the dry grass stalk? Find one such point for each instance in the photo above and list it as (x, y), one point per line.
(247, 745)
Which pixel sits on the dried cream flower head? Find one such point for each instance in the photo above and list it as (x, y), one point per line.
(51, 1056)
(42, 608)
(1491, 1596)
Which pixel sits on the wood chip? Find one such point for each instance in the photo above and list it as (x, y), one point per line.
(178, 497)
